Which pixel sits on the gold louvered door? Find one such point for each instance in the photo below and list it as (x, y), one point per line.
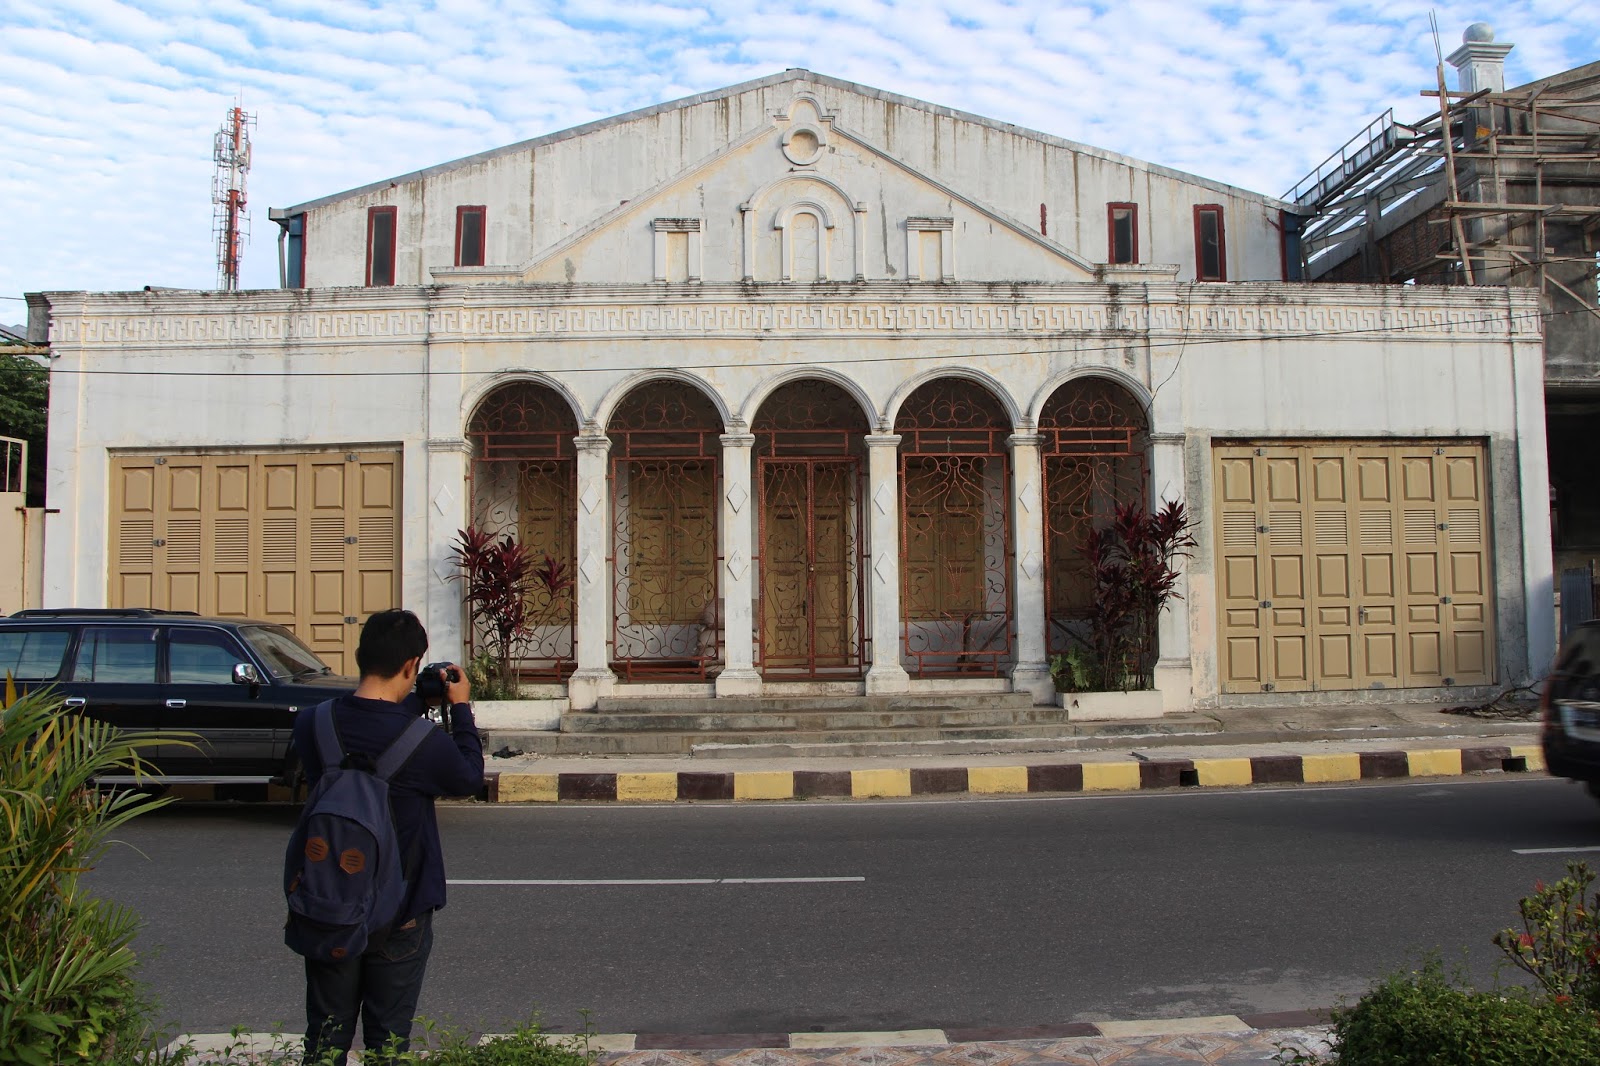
(309, 539)
(1370, 560)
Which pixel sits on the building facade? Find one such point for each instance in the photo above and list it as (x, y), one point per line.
(804, 384)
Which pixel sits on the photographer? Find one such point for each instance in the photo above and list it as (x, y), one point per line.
(382, 983)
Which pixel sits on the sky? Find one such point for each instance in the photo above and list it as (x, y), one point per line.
(108, 109)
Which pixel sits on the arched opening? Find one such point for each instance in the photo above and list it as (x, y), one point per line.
(1095, 451)
(955, 532)
(665, 493)
(811, 534)
(522, 484)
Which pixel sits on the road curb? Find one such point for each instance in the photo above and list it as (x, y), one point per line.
(1132, 774)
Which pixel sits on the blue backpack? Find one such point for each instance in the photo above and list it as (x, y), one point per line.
(342, 872)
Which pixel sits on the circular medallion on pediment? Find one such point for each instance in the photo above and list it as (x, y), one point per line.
(802, 146)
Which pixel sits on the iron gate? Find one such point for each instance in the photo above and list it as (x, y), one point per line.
(1094, 449)
(811, 620)
(665, 490)
(522, 483)
(955, 532)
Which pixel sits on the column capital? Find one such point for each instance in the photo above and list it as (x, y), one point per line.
(882, 440)
(1025, 440)
(448, 444)
(738, 440)
(1167, 438)
(594, 445)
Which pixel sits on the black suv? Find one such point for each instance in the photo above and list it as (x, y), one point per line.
(1571, 735)
(234, 684)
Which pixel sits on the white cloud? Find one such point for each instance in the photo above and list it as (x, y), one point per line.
(109, 105)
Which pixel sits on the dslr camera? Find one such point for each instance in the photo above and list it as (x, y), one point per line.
(431, 682)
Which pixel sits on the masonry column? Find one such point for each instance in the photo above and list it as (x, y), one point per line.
(738, 676)
(883, 509)
(1174, 673)
(593, 677)
(1031, 672)
(439, 600)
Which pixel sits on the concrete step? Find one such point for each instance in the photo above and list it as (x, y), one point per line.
(796, 743)
(656, 703)
(783, 721)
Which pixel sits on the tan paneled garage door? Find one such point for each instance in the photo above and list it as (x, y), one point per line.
(1346, 565)
(308, 539)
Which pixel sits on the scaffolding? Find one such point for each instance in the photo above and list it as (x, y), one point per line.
(1455, 170)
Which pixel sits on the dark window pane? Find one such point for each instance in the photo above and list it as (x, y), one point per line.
(470, 239)
(1122, 235)
(125, 654)
(201, 657)
(1210, 238)
(381, 248)
(33, 654)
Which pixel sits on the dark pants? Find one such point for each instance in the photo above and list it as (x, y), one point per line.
(382, 985)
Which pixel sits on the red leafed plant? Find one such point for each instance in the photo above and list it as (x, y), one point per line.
(508, 591)
(1131, 562)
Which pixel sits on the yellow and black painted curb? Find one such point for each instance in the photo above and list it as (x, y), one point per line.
(1106, 776)
(1126, 775)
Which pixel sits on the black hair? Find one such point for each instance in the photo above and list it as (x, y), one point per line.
(389, 640)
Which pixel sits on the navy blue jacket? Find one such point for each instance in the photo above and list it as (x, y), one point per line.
(444, 765)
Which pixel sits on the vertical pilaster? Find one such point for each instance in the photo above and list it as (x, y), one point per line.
(738, 676)
(1174, 673)
(883, 508)
(593, 677)
(438, 601)
(1031, 671)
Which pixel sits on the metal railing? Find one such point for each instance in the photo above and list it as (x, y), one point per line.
(1358, 155)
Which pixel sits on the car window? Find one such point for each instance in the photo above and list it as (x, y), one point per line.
(1582, 652)
(202, 657)
(282, 651)
(33, 654)
(125, 654)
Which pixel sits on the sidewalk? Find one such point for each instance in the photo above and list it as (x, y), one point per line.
(1281, 745)
(1226, 1040)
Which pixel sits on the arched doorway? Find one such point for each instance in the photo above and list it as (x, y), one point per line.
(1095, 451)
(810, 473)
(522, 484)
(665, 492)
(955, 532)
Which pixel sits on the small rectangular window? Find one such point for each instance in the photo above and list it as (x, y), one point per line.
(380, 245)
(1122, 222)
(34, 654)
(1210, 244)
(470, 236)
(126, 655)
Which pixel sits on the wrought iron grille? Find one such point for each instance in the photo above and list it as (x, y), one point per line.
(955, 532)
(811, 533)
(665, 490)
(1095, 451)
(522, 483)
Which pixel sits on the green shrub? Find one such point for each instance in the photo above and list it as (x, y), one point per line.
(65, 959)
(1422, 1019)
(1559, 942)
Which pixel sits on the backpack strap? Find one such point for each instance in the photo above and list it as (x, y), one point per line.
(329, 746)
(405, 745)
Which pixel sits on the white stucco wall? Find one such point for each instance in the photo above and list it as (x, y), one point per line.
(707, 155)
(406, 366)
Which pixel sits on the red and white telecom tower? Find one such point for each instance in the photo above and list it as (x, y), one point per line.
(230, 223)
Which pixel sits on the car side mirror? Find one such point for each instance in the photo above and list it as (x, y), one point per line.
(246, 674)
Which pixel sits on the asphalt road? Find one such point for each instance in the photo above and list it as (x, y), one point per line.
(970, 912)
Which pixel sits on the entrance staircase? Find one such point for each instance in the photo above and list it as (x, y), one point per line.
(825, 726)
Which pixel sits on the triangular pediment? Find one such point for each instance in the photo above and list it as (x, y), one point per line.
(797, 197)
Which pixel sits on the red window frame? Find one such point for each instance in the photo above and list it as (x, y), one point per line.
(373, 214)
(483, 232)
(1201, 210)
(1111, 232)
